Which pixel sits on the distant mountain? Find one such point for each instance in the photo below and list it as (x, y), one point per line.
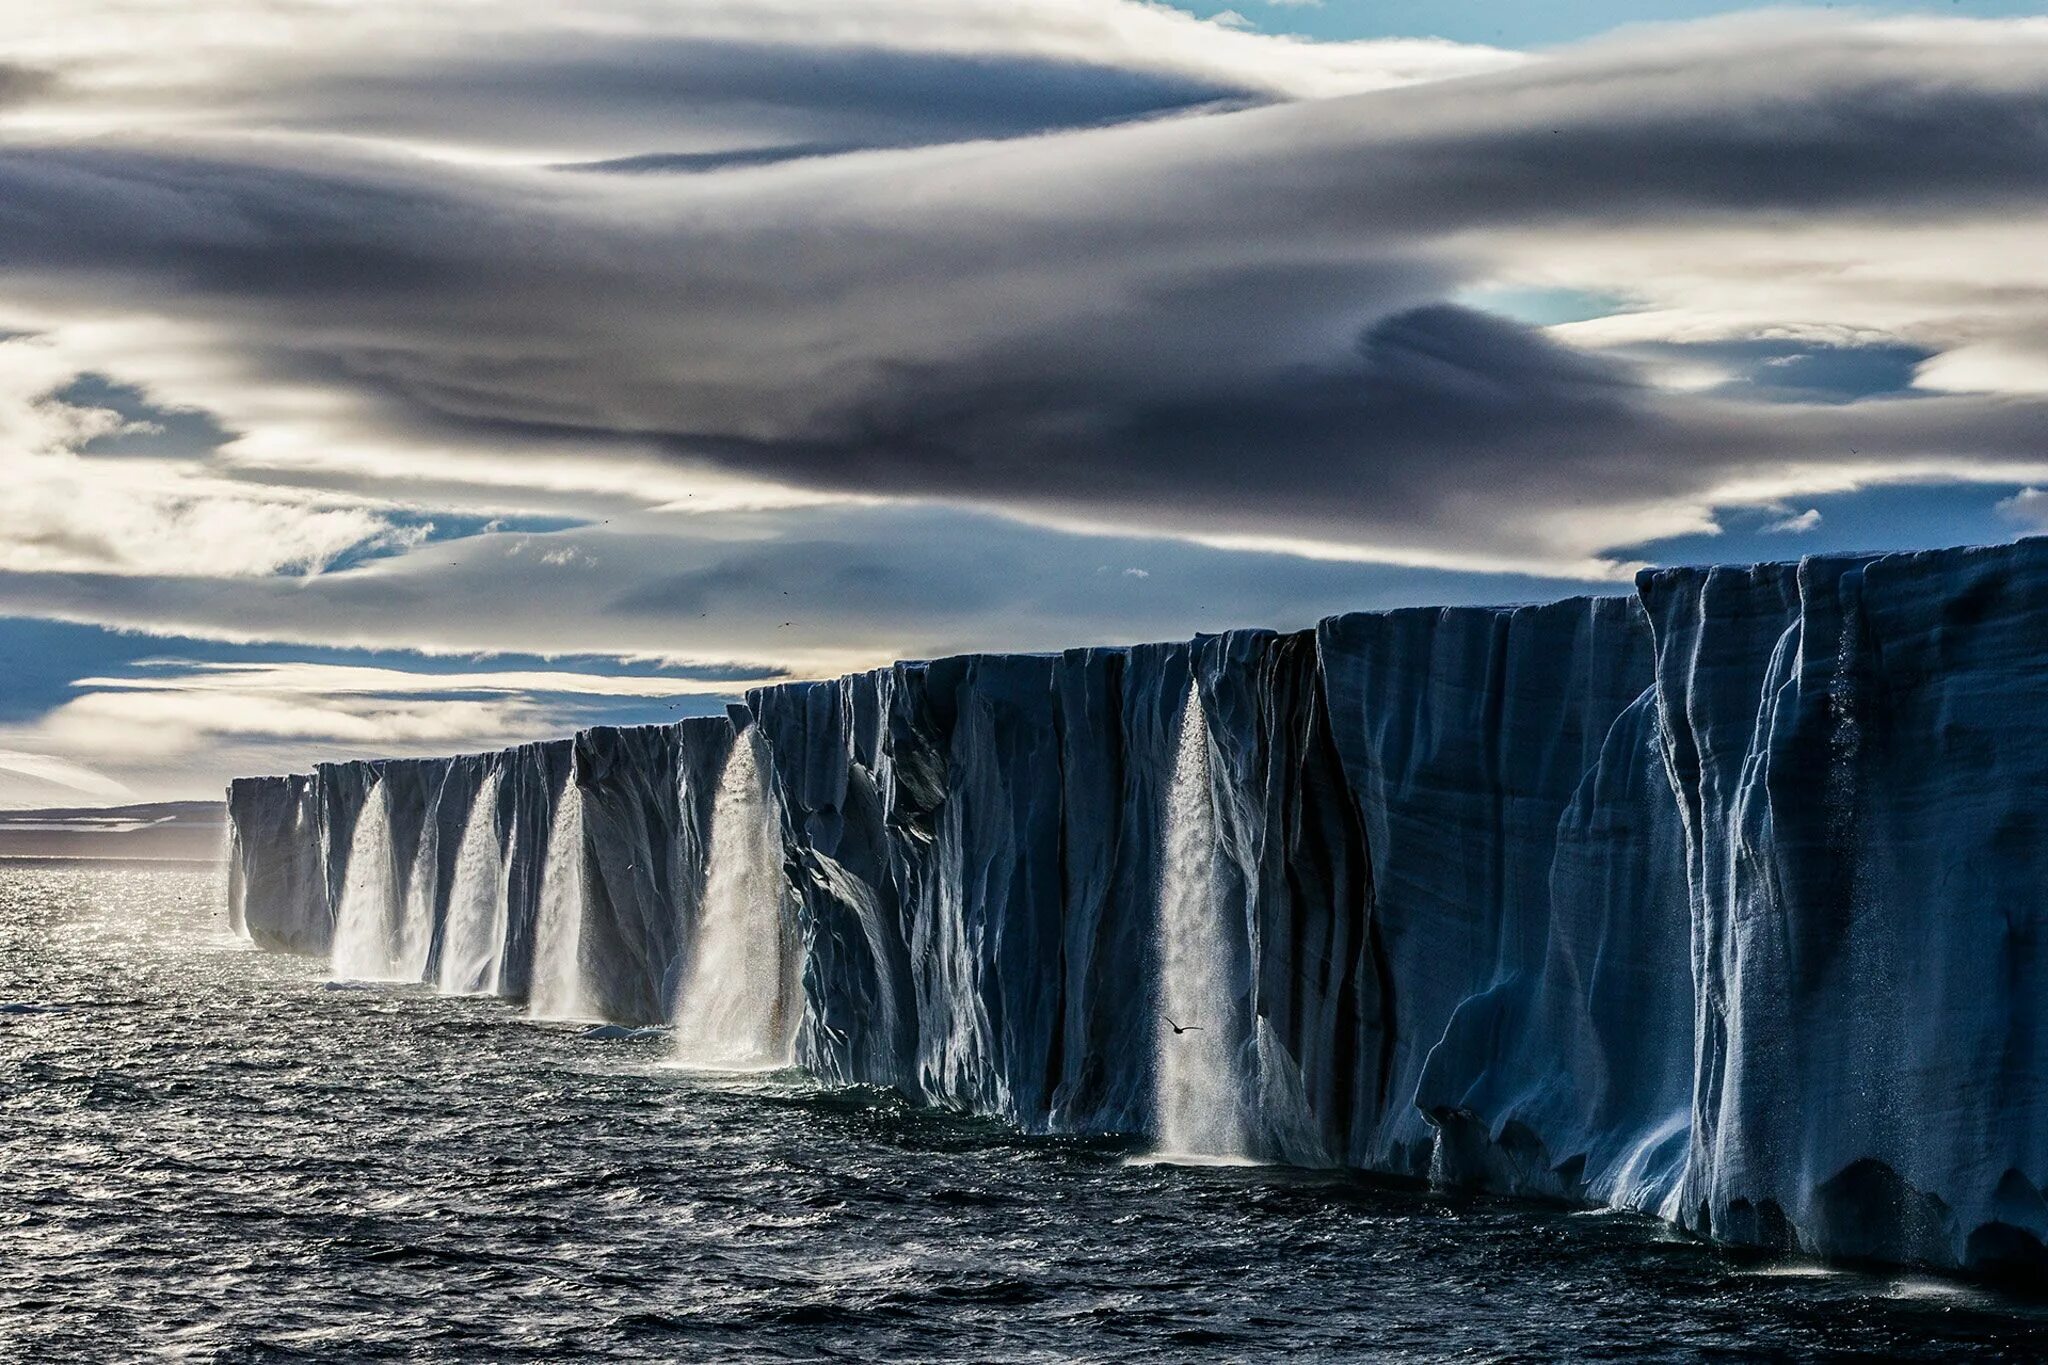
(185, 830)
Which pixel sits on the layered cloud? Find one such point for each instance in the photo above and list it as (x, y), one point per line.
(619, 78)
(895, 308)
(1231, 324)
(142, 729)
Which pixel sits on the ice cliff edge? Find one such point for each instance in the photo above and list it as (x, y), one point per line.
(1721, 902)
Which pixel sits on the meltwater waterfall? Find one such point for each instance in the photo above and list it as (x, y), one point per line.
(473, 945)
(736, 1010)
(1195, 1035)
(413, 937)
(557, 988)
(1719, 903)
(363, 928)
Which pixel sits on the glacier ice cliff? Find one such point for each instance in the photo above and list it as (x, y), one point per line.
(1720, 902)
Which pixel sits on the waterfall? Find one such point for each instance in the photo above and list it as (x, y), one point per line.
(556, 991)
(238, 887)
(369, 897)
(1196, 1076)
(415, 936)
(735, 1011)
(473, 948)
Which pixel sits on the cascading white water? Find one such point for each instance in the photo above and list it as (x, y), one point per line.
(238, 888)
(414, 937)
(473, 948)
(734, 1012)
(1195, 1034)
(557, 991)
(363, 923)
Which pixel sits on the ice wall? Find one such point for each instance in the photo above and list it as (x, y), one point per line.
(1498, 760)
(274, 864)
(1859, 750)
(458, 872)
(1717, 902)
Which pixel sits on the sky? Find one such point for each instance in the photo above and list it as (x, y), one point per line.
(397, 378)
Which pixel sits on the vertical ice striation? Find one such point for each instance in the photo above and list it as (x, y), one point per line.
(557, 989)
(1857, 746)
(737, 1006)
(364, 920)
(473, 944)
(1720, 902)
(1195, 1036)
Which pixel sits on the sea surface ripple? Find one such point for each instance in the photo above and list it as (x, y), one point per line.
(207, 1153)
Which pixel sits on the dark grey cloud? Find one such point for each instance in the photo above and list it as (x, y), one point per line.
(860, 584)
(1312, 447)
(727, 92)
(697, 163)
(1229, 323)
(21, 84)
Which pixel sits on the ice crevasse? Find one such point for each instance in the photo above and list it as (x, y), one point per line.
(1723, 902)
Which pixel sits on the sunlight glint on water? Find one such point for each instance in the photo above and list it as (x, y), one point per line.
(212, 1156)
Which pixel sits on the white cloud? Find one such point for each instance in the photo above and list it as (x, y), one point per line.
(129, 737)
(124, 735)
(2028, 508)
(225, 63)
(125, 727)
(1796, 525)
(1968, 288)
(2005, 365)
(47, 779)
(64, 512)
(358, 680)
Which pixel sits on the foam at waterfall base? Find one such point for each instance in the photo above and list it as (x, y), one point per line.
(765, 1066)
(1192, 1159)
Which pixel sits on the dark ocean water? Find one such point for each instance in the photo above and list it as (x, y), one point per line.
(206, 1154)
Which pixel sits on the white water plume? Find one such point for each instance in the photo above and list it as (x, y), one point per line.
(413, 939)
(473, 948)
(364, 921)
(735, 1011)
(556, 991)
(238, 887)
(1194, 1034)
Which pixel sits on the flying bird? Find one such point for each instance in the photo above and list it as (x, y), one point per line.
(1179, 1029)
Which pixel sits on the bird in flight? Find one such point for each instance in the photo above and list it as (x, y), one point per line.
(1179, 1029)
